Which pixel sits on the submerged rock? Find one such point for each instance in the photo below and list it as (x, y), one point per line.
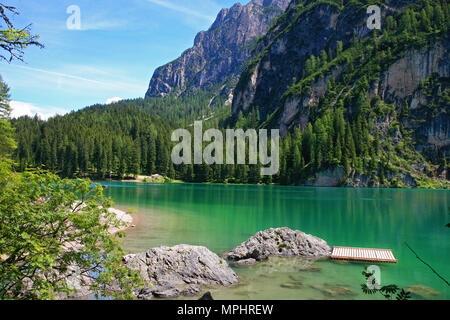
(333, 291)
(296, 278)
(292, 285)
(169, 270)
(268, 276)
(422, 292)
(309, 268)
(246, 262)
(279, 242)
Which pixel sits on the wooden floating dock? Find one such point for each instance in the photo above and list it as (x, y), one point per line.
(361, 254)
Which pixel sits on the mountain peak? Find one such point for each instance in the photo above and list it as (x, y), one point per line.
(219, 54)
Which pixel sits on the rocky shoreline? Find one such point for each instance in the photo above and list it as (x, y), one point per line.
(125, 219)
(189, 271)
(74, 278)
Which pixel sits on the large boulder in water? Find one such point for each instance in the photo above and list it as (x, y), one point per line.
(280, 242)
(170, 272)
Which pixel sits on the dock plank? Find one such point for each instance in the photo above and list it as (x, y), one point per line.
(363, 254)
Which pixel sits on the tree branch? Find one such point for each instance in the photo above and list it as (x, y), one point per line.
(425, 263)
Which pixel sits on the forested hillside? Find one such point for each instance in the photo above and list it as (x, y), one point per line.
(356, 107)
(121, 141)
(126, 138)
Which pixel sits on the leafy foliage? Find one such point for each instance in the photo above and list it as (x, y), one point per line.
(50, 226)
(388, 292)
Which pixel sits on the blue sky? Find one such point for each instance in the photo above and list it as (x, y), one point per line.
(120, 44)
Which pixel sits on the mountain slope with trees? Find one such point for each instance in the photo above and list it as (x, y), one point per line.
(356, 107)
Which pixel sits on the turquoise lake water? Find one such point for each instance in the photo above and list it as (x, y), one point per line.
(221, 217)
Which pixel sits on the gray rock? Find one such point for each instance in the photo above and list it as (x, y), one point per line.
(191, 291)
(166, 291)
(328, 178)
(279, 242)
(145, 294)
(246, 262)
(168, 270)
(77, 281)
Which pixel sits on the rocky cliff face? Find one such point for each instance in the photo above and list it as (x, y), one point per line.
(219, 54)
(398, 85)
(306, 28)
(428, 116)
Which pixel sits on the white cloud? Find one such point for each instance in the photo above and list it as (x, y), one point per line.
(59, 74)
(19, 109)
(106, 84)
(187, 11)
(102, 25)
(113, 100)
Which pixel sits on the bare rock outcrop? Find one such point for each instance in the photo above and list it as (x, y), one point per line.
(279, 242)
(170, 272)
(220, 53)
